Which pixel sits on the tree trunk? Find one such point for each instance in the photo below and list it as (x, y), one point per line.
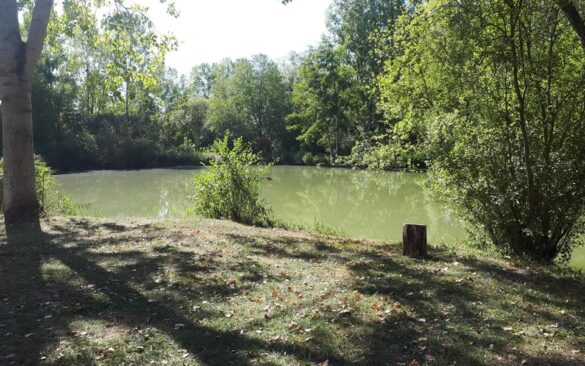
(414, 240)
(20, 203)
(18, 61)
(126, 104)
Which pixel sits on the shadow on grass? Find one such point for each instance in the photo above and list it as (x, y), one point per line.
(449, 319)
(454, 318)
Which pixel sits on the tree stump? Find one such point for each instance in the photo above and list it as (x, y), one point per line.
(414, 240)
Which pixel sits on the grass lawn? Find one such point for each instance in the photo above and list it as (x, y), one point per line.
(204, 292)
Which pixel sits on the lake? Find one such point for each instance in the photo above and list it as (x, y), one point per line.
(360, 204)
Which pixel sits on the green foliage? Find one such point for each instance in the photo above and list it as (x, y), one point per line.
(493, 85)
(229, 188)
(102, 97)
(336, 95)
(355, 23)
(314, 159)
(386, 156)
(250, 98)
(186, 124)
(52, 200)
(317, 227)
(322, 100)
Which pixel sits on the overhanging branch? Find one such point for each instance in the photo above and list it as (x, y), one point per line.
(37, 33)
(575, 18)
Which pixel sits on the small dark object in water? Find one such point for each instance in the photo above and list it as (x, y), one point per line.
(269, 178)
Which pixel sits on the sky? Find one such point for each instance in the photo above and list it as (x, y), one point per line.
(211, 30)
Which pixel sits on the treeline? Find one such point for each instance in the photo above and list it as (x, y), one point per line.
(103, 97)
(319, 107)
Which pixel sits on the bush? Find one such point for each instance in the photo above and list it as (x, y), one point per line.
(52, 200)
(505, 123)
(315, 159)
(386, 156)
(229, 188)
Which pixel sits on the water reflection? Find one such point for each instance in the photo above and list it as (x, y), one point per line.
(146, 193)
(362, 204)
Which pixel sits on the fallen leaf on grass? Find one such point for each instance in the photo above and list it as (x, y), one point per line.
(232, 283)
(278, 338)
(277, 295)
(344, 312)
(377, 307)
(105, 353)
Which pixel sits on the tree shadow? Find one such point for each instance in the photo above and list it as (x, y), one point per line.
(452, 315)
(28, 325)
(450, 319)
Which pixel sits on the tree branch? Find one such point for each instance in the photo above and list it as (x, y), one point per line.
(577, 22)
(8, 18)
(10, 38)
(36, 34)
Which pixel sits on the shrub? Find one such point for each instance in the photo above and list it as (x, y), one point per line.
(495, 82)
(52, 200)
(391, 155)
(315, 159)
(229, 188)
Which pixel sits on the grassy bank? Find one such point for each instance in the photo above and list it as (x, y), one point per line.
(204, 292)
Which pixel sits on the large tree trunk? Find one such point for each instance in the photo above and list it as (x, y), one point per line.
(18, 60)
(20, 202)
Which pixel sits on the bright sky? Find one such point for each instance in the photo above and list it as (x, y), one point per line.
(210, 30)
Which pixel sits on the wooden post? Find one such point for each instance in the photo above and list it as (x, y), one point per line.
(414, 240)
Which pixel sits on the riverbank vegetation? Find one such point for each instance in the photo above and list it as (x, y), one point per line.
(230, 188)
(492, 84)
(207, 292)
(483, 94)
(52, 199)
(102, 96)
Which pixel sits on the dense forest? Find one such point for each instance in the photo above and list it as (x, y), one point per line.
(103, 97)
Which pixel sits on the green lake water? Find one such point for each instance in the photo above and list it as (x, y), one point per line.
(360, 204)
